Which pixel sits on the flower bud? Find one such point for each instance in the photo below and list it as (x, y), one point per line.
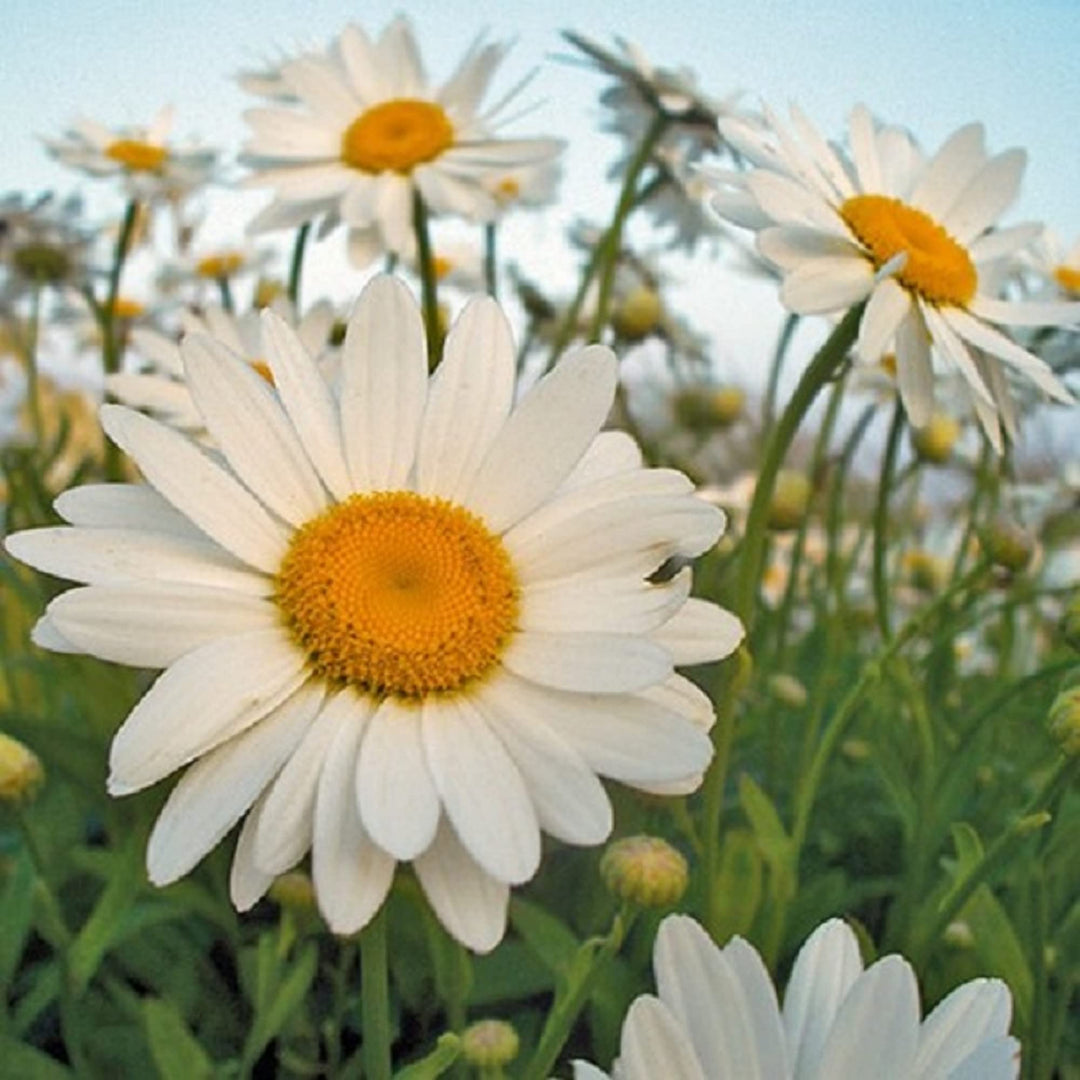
(490, 1044)
(727, 405)
(958, 935)
(1008, 545)
(1064, 721)
(21, 771)
(926, 571)
(787, 690)
(790, 499)
(638, 315)
(644, 870)
(935, 440)
(294, 891)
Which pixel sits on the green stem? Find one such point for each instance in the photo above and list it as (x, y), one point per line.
(296, 265)
(589, 961)
(768, 409)
(225, 292)
(491, 273)
(822, 368)
(429, 296)
(33, 390)
(375, 999)
(881, 520)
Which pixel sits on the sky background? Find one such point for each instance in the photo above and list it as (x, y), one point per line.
(930, 66)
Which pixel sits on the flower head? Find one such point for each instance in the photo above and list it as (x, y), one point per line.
(399, 621)
(916, 239)
(717, 1016)
(369, 130)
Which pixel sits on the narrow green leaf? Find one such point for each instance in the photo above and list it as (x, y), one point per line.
(446, 1052)
(739, 881)
(553, 942)
(176, 1052)
(280, 1001)
(25, 1062)
(776, 846)
(999, 949)
(16, 915)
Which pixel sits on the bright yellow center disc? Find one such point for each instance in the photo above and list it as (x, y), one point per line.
(220, 266)
(137, 156)
(396, 136)
(397, 594)
(938, 268)
(1068, 277)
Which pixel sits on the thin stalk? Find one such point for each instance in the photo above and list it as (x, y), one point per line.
(296, 264)
(225, 292)
(982, 484)
(33, 390)
(491, 264)
(768, 409)
(881, 520)
(375, 999)
(820, 370)
(429, 296)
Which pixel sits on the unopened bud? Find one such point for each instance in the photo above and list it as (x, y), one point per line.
(490, 1044)
(925, 570)
(787, 690)
(727, 405)
(855, 749)
(1064, 721)
(958, 935)
(934, 442)
(790, 499)
(644, 870)
(1008, 545)
(21, 771)
(638, 315)
(294, 891)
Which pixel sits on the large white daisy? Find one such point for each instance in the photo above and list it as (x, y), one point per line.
(369, 129)
(916, 238)
(717, 1017)
(402, 620)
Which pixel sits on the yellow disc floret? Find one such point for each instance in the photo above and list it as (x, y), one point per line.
(222, 265)
(1068, 278)
(396, 136)
(938, 268)
(137, 156)
(398, 594)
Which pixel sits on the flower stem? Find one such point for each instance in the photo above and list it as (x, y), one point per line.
(881, 520)
(429, 297)
(768, 410)
(33, 391)
(375, 999)
(491, 265)
(296, 266)
(820, 370)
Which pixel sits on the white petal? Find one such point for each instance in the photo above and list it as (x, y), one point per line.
(468, 401)
(1027, 312)
(827, 284)
(322, 88)
(122, 506)
(623, 736)
(699, 632)
(611, 452)
(975, 1012)
(587, 663)
(986, 197)
(914, 371)
(247, 883)
(352, 875)
(887, 307)
(876, 1031)
(384, 380)
(948, 172)
(46, 636)
(468, 902)
(206, 697)
(308, 401)
(394, 212)
(827, 965)
(789, 246)
(152, 626)
(213, 794)
(485, 798)
(996, 1059)
(283, 133)
(398, 803)
(362, 65)
(570, 802)
(948, 341)
(791, 202)
(864, 149)
(524, 465)
(198, 488)
(654, 1045)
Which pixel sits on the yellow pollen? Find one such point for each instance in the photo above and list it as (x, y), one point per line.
(137, 156)
(398, 594)
(1068, 278)
(396, 136)
(220, 266)
(125, 308)
(938, 268)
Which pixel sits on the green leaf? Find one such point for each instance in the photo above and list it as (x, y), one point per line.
(446, 1052)
(776, 846)
(277, 999)
(550, 939)
(176, 1052)
(739, 881)
(999, 949)
(16, 915)
(27, 1063)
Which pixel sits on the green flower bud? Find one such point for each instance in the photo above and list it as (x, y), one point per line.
(1008, 545)
(644, 870)
(638, 315)
(790, 499)
(934, 442)
(1064, 721)
(490, 1044)
(21, 771)
(787, 690)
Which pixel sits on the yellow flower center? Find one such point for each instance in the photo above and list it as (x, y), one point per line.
(938, 268)
(396, 136)
(398, 594)
(137, 156)
(219, 266)
(1068, 278)
(126, 308)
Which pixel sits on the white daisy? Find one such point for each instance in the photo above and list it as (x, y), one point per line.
(163, 391)
(370, 130)
(149, 166)
(917, 239)
(401, 621)
(717, 1017)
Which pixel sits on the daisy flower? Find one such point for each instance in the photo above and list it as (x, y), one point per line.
(916, 238)
(149, 167)
(370, 130)
(400, 621)
(717, 1016)
(163, 391)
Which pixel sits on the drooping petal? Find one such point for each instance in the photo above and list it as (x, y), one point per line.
(699, 632)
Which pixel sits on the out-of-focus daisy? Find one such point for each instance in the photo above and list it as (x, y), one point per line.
(523, 187)
(400, 622)
(142, 158)
(916, 238)
(43, 242)
(717, 1017)
(162, 390)
(370, 130)
(1059, 267)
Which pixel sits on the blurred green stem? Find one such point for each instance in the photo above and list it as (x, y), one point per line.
(429, 295)
(111, 346)
(768, 410)
(375, 999)
(33, 390)
(491, 263)
(881, 520)
(296, 265)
